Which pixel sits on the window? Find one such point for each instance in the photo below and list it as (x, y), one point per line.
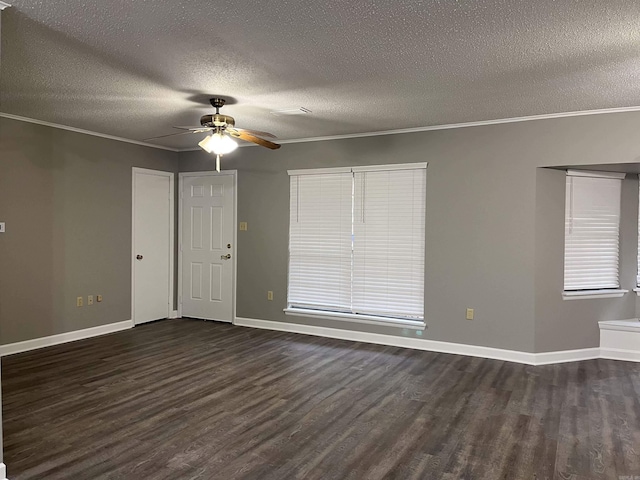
(592, 224)
(356, 243)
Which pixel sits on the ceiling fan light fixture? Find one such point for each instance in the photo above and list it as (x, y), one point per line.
(218, 144)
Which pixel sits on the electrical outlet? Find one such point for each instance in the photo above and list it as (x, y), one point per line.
(98, 298)
(1, 227)
(79, 302)
(243, 226)
(469, 313)
(90, 300)
(269, 295)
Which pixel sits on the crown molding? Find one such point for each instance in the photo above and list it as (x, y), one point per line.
(480, 123)
(85, 132)
(448, 126)
(3, 5)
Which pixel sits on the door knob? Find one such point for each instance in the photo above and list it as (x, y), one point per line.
(139, 257)
(225, 257)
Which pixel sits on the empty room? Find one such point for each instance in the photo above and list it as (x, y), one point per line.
(320, 240)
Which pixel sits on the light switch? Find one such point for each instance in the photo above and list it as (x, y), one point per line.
(1, 227)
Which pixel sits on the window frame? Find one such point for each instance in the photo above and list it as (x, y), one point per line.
(407, 323)
(604, 292)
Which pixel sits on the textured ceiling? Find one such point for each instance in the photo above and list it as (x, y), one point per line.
(134, 69)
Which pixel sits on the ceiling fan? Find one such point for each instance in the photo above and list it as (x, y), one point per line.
(223, 128)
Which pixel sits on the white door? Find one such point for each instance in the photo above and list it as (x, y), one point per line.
(152, 245)
(207, 246)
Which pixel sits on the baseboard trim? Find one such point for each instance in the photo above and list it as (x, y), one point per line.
(565, 356)
(174, 314)
(546, 358)
(3, 471)
(36, 343)
(390, 340)
(619, 354)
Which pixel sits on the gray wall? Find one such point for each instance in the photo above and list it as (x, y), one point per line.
(494, 226)
(487, 237)
(66, 201)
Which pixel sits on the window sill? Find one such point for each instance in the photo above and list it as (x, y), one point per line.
(632, 325)
(356, 318)
(590, 294)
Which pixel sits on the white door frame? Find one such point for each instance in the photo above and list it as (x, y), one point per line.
(234, 283)
(172, 232)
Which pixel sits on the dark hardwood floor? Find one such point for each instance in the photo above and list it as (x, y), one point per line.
(187, 399)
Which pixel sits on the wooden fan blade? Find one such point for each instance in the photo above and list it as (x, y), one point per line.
(169, 135)
(196, 129)
(247, 137)
(257, 133)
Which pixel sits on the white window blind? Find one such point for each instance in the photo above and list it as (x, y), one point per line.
(357, 241)
(592, 224)
(320, 241)
(388, 246)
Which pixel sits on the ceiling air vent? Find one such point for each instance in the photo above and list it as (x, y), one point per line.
(291, 111)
